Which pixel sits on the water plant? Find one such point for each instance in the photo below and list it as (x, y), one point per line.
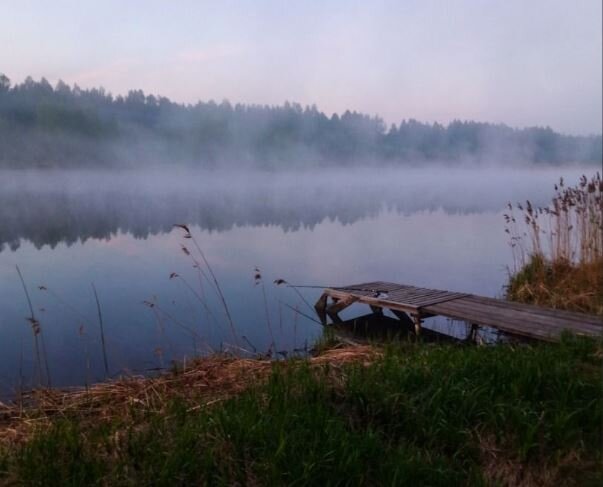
(36, 329)
(558, 248)
(214, 280)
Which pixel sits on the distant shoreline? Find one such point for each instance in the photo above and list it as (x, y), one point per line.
(63, 126)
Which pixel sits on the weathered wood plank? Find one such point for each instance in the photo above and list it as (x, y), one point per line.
(539, 310)
(524, 329)
(374, 286)
(520, 316)
(511, 323)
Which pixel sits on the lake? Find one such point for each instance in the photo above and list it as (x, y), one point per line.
(440, 228)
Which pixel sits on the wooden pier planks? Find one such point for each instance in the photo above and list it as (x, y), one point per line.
(529, 321)
(519, 319)
(393, 296)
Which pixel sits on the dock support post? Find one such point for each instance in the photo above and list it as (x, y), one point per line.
(378, 310)
(417, 320)
(472, 335)
(321, 308)
(340, 305)
(405, 320)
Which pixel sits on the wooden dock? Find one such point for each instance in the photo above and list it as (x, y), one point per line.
(413, 304)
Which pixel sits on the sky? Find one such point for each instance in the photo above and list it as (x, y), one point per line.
(523, 63)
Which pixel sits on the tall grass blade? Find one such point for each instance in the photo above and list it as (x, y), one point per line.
(102, 330)
(36, 330)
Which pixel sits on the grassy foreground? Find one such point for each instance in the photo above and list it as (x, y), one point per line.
(409, 414)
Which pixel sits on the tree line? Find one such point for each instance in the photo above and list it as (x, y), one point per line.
(65, 126)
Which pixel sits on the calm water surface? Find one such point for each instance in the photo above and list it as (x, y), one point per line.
(65, 230)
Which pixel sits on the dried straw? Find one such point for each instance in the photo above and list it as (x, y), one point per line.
(203, 382)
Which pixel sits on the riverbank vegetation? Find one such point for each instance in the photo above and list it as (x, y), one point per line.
(558, 249)
(406, 414)
(42, 125)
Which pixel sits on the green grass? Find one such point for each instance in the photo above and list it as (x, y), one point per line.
(420, 415)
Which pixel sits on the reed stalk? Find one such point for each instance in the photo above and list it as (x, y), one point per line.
(36, 329)
(214, 280)
(259, 281)
(558, 249)
(102, 330)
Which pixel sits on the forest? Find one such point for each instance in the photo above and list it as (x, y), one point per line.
(68, 127)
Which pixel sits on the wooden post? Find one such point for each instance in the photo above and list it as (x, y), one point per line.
(417, 320)
(472, 335)
(406, 321)
(321, 308)
(378, 310)
(339, 305)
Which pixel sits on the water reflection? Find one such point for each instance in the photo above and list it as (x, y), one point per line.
(67, 230)
(48, 208)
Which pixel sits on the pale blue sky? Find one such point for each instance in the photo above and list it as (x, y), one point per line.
(529, 62)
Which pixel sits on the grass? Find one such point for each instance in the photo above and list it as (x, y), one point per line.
(409, 414)
(558, 249)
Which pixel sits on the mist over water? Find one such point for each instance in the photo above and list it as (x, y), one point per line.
(51, 207)
(439, 228)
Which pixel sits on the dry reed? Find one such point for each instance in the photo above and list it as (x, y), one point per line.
(558, 249)
(36, 329)
(200, 383)
(214, 280)
(102, 330)
(258, 281)
(569, 229)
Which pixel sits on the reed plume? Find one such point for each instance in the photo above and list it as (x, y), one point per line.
(558, 249)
